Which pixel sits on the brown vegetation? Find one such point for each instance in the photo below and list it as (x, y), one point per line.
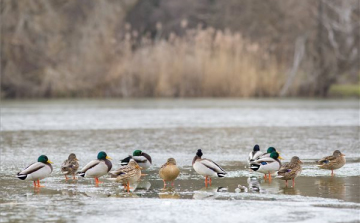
(161, 48)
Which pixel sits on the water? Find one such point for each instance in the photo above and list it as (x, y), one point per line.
(225, 129)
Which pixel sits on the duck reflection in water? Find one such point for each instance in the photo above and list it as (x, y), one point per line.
(209, 192)
(331, 187)
(169, 193)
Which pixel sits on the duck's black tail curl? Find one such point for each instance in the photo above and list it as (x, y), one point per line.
(82, 174)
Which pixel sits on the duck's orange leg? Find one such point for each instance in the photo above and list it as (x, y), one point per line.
(74, 178)
(164, 184)
(206, 179)
(265, 176)
(332, 173)
(38, 184)
(66, 178)
(286, 183)
(35, 184)
(128, 187)
(293, 182)
(172, 183)
(97, 181)
(210, 181)
(269, 177)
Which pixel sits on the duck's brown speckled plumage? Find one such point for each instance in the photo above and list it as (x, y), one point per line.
(336, 161)
(70, 166)
(290, 170)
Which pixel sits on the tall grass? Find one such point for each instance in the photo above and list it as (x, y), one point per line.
(203, 62)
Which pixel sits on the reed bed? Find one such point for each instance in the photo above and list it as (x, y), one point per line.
(202, 63)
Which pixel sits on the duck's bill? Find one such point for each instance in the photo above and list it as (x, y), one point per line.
(76, 159)
(342, 154)
(281, 158)
(108, 157)
(139, 167)
(49, 161)
(300, 162)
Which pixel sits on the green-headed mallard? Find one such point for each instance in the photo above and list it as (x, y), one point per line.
(207, 168)
(97, 168)
(169, 171)
(255, 154)
(142, 159)
(70, 166)
(128, 174)
(336, 161)
(290, 170)
(36, 171)
(267, 165)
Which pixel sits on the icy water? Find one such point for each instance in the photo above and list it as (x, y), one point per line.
(225, 129)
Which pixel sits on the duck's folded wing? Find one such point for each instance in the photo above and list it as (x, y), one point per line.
(90, 165)
(120, 171)
(264, 159)
(327, 160)
(212, 165)
(32, 168)
(288, 167)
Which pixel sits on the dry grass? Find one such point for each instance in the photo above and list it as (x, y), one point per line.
(206, 62)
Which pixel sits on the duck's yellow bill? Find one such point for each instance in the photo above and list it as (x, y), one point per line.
(281, 158)
(49, 161)
(108, 157)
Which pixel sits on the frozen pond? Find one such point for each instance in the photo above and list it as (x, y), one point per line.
(225, 129)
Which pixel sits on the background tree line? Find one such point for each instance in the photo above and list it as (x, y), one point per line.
(170, 48)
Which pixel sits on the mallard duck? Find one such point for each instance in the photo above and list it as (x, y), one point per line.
(268, 152)
(207, 168)
(127, 174)
(70, 166)
(97, 168)
(267, 165)
(336, 161)
(290, 170)
(169, 171)
(255, 154)
(36, 171)
(142, 159)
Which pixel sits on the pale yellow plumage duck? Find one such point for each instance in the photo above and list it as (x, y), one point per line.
(70, 166)
(169, 171)
(127, 175)
(290, 170)
(336, 161)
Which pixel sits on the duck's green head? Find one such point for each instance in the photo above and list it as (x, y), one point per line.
(44, 159)
(137, 153)
(271, 149)
(102, 156)
(274, 155)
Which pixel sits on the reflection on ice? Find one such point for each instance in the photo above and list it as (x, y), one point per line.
(169, 193)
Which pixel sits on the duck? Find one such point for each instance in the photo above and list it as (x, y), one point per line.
(207, 168)
(37, 171)
(336, 161)
(169, 171)
(255, 154)
(268, 152)
(290, 170)
(97, 168)
(267, 165)
(142, 159)
(127, 175)
(70, 166)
